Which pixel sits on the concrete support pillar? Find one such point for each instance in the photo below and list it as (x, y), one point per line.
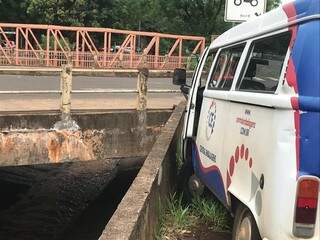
(144, 59)
(95, 61)
(142, 87)
(69, 59)
(66, 87)
(65, 100)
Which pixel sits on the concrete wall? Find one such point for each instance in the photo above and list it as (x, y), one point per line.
(123, 119)
(136, 216)
(27, 139)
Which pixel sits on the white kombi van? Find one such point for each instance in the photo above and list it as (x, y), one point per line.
(252, 124)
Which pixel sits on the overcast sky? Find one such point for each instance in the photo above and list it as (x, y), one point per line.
(285, 1)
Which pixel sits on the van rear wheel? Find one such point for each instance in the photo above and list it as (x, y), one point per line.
(245, 227)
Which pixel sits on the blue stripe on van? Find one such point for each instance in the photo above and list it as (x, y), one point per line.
(307, 7)
(211, 176)
(306, 59)
(309, 104)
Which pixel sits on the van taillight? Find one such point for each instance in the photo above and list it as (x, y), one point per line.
(306, 207)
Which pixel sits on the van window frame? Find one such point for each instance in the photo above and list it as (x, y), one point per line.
(240, 64)
(209, 51)
(244, 67)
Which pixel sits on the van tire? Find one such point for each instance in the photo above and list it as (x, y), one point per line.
(245, 220)
(185, 174)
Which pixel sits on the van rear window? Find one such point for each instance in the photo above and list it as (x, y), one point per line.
(265, 63)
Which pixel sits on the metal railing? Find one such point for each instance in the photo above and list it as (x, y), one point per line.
(53, 46)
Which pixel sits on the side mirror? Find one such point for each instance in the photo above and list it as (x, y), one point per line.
(179, 76)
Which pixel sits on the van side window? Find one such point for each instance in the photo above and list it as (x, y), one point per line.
(206, 67)
(265, 64)
(226, 66)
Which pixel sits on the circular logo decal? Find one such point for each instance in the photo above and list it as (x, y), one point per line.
(211, 118)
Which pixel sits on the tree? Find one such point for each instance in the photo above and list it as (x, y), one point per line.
(192, 17)
(12, 11)
(271, 4)
(57, 12)
(200, 17)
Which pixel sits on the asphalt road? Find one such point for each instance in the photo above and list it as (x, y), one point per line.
(10, 102)
(18, 82)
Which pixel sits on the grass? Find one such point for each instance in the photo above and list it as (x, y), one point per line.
(178, 218)
(174, 219)
(212, 213)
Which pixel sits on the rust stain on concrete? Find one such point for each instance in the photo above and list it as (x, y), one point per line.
(31, 147)
(70, 145)
(38, 146)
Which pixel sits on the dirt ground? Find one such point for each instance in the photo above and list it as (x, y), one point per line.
(204, 233)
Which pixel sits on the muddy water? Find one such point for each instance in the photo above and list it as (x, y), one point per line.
(57, 201)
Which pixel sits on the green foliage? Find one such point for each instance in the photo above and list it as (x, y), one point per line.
(192, 17)
(69, 12)
(178, 213)
(178, 218)
(201, 17)
(192, 62)
(175, 218)
(13, 11)
(212, 213)
(271, 4)
(43, 43)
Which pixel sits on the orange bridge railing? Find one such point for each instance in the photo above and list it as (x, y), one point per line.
(101, 48)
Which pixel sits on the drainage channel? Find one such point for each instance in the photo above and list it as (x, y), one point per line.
(91, 223)
(61, 201)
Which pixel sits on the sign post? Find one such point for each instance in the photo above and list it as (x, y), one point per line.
(243, 10)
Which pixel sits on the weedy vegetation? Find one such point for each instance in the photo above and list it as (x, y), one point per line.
(178, 218)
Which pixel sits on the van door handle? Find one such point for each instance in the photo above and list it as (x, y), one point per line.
(192, 106)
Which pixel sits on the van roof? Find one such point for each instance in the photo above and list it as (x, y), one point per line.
(270, 21)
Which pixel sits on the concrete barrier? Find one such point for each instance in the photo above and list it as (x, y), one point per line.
(136, 216)
(27, 139)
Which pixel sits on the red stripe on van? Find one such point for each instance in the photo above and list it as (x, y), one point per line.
(290, 11)
(295, 103)
(291, 75)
